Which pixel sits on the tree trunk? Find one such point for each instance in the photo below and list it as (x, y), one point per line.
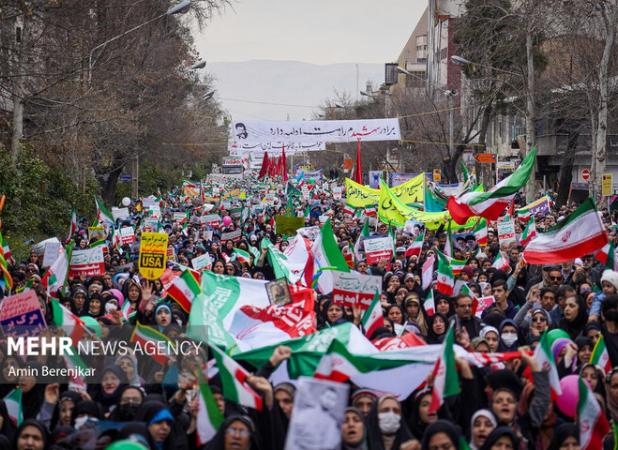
(600, 156)
(108, 184)
(530, 115)
(566, 169)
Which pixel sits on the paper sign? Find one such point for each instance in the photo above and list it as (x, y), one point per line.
(317, 416)
(201, 262)
(483, 304)
(52, 252)
(89, 262)
(352, 287)
(39, 249)
(310, 233)
(179, 217)
(506, 231)
(337, 192)
(21, 315)
(214, 220)
(96, 233)
(152, 255)
(127, 235)
(231, 235)
(120, 213)
(378, 249)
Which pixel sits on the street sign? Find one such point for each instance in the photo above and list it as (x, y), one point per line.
(437, 175)
(607, 185)
(125, 178)
(585, 174)
(486, 158)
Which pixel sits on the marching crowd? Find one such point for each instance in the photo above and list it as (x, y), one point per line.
(139, 403)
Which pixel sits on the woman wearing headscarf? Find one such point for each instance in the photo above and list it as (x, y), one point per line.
(482, 424)
(566, 437)
(386, 429)
(128, 364)
(163, 317)
(415, 314)
(419, 417)
(7, 428)
(236, 433)
(438, 326)
(509, 339)
(31, 435)
(441, 434)
(353, 431)
(575, 316)
(501, 438)
(165, 432)
(113, 380)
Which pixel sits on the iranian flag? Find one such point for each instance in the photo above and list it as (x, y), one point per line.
(209, 417)
(492, 203)
(349, 210)
(104, 217)
(480, 232)
(457, 265)
(429, 305)
(56, 276)
(184, 289)
(371, 212)
(373, 318)
(327, 257)
(4, 247)
(445, 378)
(427, 272)
(600, 356)
(72, 226)
(593, 425)
(448, 245)
(502, 262)
(544, 356)
(234, 381)
(300, 260)
(529, 232)
(358, 245)
(74, 361)
(242, 256)
(446, 279)
(13, 406)
(581, 233)
(416, 246)
(276, 259)
(72, 325)
(607, 256)
(143, 334)
(399, 371)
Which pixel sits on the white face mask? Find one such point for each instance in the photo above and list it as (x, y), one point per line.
(389, 422)
(509, 338)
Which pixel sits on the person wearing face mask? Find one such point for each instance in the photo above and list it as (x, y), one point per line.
(85, 411)
(353, 432)
(386, 428)
(508, 336)
(131, 399)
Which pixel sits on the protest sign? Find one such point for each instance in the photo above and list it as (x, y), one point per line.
(310, 233)
(52, 252)
(318, 405)
(231, 235)
(21, 315)
(201, 262)
(127, 235)
(287, 226)
(352, 287)
(179, 217)
(152, 255)
(88, 262)
(483, 303)
(337, 192)
(39, 249)
(378, 249)
(214, 220)
(506, 231)
(96, 233)
(120, 213)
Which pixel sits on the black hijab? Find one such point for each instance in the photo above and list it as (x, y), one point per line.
(374, 434)
(38, 425)
(561, 433)
(218, 442)
(499, 432)
(575, 327)
(8, 429)
(441, 426)
(109, 400)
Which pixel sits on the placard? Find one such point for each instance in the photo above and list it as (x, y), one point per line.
(378, 249)
(352, 287)
(21, 314)
(483, 303)
(214, 220)
(97, 233)
(201, 262)
(152, 255)
(88, 262)
(231, 235)
(120, 213)
(506, 231)
(127, 235)
(310, 233)
(52, 252)
(179, 217)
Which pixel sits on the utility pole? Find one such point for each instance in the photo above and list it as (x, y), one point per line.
(530, 115)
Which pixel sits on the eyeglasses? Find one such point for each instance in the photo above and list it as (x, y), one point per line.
(559, 278)
(539, 319)
(238, 432)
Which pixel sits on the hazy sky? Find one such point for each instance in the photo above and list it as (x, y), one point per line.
(314, 31)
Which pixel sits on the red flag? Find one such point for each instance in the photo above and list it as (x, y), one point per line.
(358, 176)
(284, 164)
(264, 168)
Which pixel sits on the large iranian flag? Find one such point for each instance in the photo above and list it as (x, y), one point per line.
(209, 417)
(234, 381)
(299, 260)
(445, 378)
(492, 203)
(327, 257)
(581, 233)
(184, 290)
(593, 425)
(72, 325)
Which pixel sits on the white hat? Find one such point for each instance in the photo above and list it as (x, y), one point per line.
(610, 276)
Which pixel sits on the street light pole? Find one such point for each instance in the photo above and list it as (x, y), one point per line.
(176, 9)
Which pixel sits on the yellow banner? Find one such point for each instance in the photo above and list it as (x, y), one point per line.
(412, 191)
(359, 196)
(152, 255)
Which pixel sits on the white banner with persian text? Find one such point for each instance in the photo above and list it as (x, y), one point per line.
(366, 130)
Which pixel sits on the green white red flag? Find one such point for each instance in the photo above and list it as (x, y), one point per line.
(416, 246)
(480, 232)
(427, 272)
(429, 305)
(358, 245)
(4, 247)
(72, 226)
(234, 381)
(502, 262)
(545, 358)
(184, 289)
(607, 256)
(72, 325)
(56, 276)
(373, 318)
(581, 233)
(445, 280)
(593, 425)
(143, 334)
(326, 256)
(242, 256)
(209, 417)
(104, 217)
(529, 232)
(600, 356)
(492, 203)
(13, 403)
(445, 378)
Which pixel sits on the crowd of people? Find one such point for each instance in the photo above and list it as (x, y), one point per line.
(139, 403)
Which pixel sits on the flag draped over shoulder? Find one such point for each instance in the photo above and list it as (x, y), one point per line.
(492, 203)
